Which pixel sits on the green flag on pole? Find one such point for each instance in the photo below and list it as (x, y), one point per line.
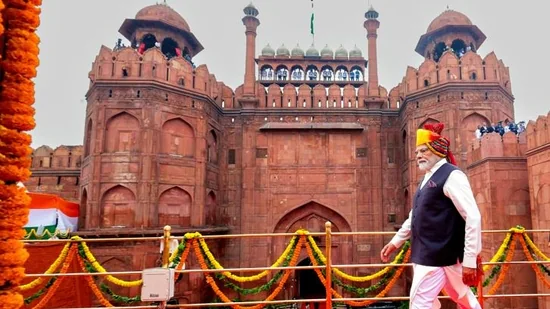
(311, 30)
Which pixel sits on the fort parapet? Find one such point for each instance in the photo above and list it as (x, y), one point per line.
(56, 171)
(538, 168)
(497, 169)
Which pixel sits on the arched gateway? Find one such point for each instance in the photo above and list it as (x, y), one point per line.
(312, 216)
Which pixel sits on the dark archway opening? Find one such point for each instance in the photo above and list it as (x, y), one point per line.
(149, 41)
(170, 48)
(439, 49)
(459, 48)
(309, 284)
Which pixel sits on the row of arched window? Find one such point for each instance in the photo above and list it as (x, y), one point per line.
(123, 132)
(312, 73)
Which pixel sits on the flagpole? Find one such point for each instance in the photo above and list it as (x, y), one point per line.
(312, 22)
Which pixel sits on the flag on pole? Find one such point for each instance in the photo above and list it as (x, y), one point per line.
(311, 28)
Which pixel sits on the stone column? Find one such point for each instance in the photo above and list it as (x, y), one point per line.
(372, 24)
(251, 22)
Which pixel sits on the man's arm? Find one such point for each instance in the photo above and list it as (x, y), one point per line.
(457, 188)
(403, 234)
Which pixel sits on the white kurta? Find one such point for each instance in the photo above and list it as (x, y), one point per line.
(428, 281)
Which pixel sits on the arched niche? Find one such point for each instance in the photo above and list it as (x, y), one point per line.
(178, 138)
(468, 127)
(88, 138)
(115, 264)
(122, 133)
(212, 147)
(118, 207)
(427, 121)
(299, 215)
(211, 206)
(313, 216)
(174, 208)
(83, 208)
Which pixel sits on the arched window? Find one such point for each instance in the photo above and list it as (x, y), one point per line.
(439, 49)
(170, 48)
(147, 41)
(459, 48)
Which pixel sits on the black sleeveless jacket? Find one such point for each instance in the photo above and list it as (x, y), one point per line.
(437, 228)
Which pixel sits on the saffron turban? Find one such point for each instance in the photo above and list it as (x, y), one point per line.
(430, 135)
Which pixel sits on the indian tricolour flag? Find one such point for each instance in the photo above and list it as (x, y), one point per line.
(50, 213)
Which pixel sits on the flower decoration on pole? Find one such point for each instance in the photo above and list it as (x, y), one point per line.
(18, 63)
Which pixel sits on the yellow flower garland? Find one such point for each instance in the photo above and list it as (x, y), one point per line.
(342, 274)
(243, 279)
(210, 280)
(55, 265)
(100, 269)
(18, 66)
(93, 286)
(499, 253)
(535, 248)
(53, 289)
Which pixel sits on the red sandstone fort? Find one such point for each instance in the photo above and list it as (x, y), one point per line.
(310, 136)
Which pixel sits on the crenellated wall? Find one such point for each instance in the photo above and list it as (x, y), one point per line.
(538, 164)
(469, 68)
(126, 64)
(56, 171)
(497, 169)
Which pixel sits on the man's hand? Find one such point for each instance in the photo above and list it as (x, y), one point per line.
(469, 276)
(386, 251)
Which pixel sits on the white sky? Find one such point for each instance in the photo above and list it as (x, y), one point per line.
(72, 31)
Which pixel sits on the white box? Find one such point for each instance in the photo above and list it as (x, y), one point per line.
(158, 284)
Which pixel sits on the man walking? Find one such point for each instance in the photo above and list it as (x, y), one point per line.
(444, 227)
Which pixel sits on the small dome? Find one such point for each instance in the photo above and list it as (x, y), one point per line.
(164, 13)
(327, 52)
(297, 51)
(341, 52)
(268, 51)
(371, 13)
(449, 17)
(356, 53)
(312, 51)
(283, 51)
(251, 10)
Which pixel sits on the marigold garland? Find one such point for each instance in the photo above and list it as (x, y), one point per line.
(264, 287)
(535, 267)
(270, 297)
(19, 20)
(382, 293)
(55, 265)
(505, 267)
(100, 268)
(104, 302)
(243, 279)
(342, 274)
(51, 292)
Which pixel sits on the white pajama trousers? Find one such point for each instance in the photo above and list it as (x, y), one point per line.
(428, 281)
